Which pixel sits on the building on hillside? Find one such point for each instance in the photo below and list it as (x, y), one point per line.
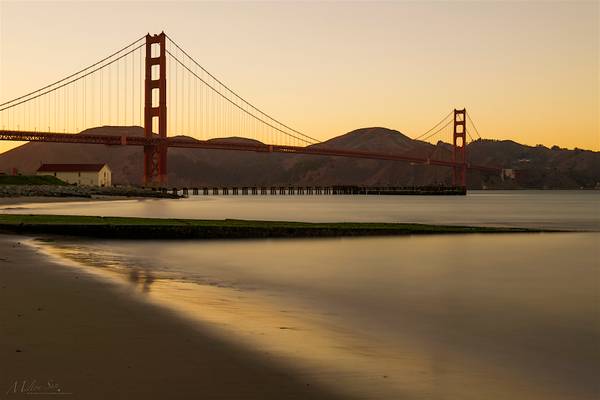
(79, 174)
(508, 173)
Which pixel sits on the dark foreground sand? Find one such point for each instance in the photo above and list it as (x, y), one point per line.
(90, 338)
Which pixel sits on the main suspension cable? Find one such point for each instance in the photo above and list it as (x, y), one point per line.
(72, 75)
(436, 132)
(239, 97)
(73, 81)
(473, 125)
(435, 126)
(232, 102)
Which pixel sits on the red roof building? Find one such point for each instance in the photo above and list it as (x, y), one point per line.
(70, 167)
(79, 174)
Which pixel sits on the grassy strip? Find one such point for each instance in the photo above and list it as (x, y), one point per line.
(158, 228)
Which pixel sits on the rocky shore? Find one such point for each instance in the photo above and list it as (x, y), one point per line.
(79, 191)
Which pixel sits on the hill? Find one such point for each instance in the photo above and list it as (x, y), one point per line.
(542, 167)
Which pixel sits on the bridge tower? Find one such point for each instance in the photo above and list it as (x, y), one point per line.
(459, 153)
(155, 107)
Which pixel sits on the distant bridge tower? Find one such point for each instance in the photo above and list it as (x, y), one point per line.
(459, 153)
(155, 155)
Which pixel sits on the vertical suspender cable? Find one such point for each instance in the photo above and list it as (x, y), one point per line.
(101, 89)
(141, 100)
(93, 101)
(109, 94)
(117, 94)
(75, 101)
(175, 99)
(195, 107)
(65, 93)
(189, 109)
(125, 86)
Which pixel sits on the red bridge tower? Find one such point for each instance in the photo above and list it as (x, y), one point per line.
(459, 153)
(155, 107)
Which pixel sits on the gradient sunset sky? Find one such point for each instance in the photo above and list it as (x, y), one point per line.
(526, 71)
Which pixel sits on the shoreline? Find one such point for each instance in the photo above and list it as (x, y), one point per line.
(157, 228)
(24, 191)
(19, 201)
(91, 338)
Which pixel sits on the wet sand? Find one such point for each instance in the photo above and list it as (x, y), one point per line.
(92, 339)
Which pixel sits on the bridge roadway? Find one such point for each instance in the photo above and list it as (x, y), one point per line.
(215, 144)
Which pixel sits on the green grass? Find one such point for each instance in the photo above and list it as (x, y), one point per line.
(30, 180)
(158, 228)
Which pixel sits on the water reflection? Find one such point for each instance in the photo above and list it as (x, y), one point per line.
(141, 278)
(507, 316)
(563, 209)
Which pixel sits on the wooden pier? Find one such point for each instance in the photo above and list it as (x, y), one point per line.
(315, 191)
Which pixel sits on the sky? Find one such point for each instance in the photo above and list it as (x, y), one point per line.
(525, 71)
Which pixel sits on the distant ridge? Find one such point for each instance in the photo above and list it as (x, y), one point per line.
(551, 168)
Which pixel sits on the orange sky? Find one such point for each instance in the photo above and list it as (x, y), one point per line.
(525, 71)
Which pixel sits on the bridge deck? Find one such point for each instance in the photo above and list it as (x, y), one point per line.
(55, 137)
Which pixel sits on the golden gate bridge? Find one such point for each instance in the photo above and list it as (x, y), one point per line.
(129, 88)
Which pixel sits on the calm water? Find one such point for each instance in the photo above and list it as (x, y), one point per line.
(423, 317)
(549, 209)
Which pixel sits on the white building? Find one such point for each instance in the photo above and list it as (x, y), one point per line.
(508, 174)
(79, 174)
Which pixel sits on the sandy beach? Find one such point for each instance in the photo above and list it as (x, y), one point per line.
(66, 332)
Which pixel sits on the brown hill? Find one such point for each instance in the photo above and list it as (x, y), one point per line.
(543, 167)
